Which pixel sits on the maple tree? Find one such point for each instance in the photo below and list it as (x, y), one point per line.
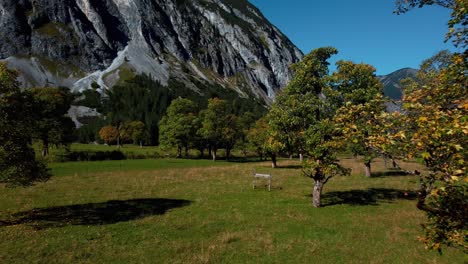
(302, 113)
(265, 140)
(18, 164)
(177, 128)
(437, 132)
(359, 93)
(109, 134)
(51, 123)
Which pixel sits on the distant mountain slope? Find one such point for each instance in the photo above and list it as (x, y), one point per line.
(392, 82)
(78, 42)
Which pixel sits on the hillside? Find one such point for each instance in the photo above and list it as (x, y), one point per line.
(392, 82)
(76, 43)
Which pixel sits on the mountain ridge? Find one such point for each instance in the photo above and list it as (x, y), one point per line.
(392, 82)
(78, 43)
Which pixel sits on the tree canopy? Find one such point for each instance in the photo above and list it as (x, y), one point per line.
(18, 165)
(177, 127)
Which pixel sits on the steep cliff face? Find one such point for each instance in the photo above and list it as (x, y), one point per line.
(78, 42)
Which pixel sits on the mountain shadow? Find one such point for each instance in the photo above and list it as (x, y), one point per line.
(105, 213)
(371, 196)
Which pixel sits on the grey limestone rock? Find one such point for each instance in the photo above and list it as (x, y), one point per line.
(78, 42)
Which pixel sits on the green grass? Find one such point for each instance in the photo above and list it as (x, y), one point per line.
(93, 167)
(189, 211)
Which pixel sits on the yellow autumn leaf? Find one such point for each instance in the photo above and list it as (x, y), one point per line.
(458, 147)
(402, 135)
(425, 155)
(423, 119)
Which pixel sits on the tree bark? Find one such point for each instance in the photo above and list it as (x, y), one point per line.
(202, 153)
(273, 161)
(213, 152)
(179, 152)
(228, 153)
(316, 195)
(45, 147)
(368, 169)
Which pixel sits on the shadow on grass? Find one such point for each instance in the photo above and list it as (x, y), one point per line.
(109, 212)
(372, 196)
(391, 173)
(243, 160)
(293, 167)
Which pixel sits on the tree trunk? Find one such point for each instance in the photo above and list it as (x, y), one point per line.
(202, 154)
(118, 142)
(186, 152)
(316, 195)
(228, 153)
(301, 157)
(395, 165)
(141, 144)
(179, 152)
(209, 151)
(273, 161)
(213, 152)
(45, 147)
(368, 169)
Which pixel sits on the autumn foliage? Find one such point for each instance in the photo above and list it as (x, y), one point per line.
(109, 134)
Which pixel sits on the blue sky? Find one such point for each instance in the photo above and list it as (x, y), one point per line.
(362, 30)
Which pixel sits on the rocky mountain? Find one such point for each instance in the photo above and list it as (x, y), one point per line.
(392, 82)
(76, 43)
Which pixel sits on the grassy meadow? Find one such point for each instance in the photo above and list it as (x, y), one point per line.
(197, 211)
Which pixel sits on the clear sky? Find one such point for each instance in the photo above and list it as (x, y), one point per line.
(362, 30)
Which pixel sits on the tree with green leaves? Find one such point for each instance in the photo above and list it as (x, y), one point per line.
(307, 110)
(177, 128)
(137, 132)
(140, 99)
(215, 125)
(51, 125)
(434, 128)
(265, 141)
(257, 137)
(231, 134)
(132, 131)
(358, 87)
(18, 164)
(246, 121)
